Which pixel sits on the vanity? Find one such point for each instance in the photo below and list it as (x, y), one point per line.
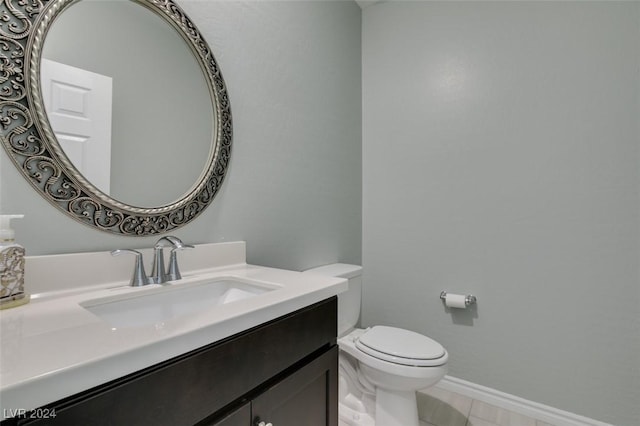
(261, 350)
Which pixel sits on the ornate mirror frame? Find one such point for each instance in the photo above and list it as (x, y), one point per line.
(27, 137)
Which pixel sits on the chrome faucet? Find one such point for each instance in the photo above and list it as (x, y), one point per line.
(159, 274)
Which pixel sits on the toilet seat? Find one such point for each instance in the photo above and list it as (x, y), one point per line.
(399, 346)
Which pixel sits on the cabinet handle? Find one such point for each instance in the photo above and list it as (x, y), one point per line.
(264, 424)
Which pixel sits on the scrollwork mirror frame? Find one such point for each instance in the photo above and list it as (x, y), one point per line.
(27, 137)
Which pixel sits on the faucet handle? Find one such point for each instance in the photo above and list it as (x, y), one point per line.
(174, 271)
(174, 241)
(164, 242)
(139, 277)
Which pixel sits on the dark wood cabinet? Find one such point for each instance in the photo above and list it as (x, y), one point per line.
(305, 397)
(284, 372)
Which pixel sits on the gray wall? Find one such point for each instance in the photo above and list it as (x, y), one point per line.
(501, 158)
(293, 191)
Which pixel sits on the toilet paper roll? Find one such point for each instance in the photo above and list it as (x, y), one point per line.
(455, 300)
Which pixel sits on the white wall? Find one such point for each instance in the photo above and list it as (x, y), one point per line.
(501, 157)
(293, 191)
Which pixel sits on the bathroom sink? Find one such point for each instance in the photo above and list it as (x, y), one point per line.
(157, 305)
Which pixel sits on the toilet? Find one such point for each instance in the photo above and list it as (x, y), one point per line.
(381, 367)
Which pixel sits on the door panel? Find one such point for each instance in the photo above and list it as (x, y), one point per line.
(307, 397)
(78, 104)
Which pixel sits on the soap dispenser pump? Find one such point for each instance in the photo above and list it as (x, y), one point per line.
(11, 266)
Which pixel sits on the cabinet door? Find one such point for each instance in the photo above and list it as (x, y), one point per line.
(308, 397)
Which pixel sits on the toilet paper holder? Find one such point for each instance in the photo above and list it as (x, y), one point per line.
(468, 300)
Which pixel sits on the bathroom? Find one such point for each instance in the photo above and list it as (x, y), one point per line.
(485, 148)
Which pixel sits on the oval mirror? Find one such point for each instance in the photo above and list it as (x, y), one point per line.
(128, 123)
(132, 101)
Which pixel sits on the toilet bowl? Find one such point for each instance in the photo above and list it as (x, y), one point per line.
(381, 367)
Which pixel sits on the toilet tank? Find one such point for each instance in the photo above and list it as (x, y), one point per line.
(349, 301)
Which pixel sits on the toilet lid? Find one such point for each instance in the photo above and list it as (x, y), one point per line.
(401, 346)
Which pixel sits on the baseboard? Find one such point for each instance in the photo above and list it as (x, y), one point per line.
(516, 404)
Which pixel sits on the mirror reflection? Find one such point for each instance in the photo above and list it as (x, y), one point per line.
(127, 101)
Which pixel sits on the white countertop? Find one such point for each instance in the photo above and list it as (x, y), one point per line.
(52, 347)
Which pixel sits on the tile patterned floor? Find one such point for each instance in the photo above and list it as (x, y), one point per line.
(437, 407)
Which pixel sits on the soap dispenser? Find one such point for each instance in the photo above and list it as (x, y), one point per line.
(11, 266)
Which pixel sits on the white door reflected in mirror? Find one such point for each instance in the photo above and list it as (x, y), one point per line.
(79, 107)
